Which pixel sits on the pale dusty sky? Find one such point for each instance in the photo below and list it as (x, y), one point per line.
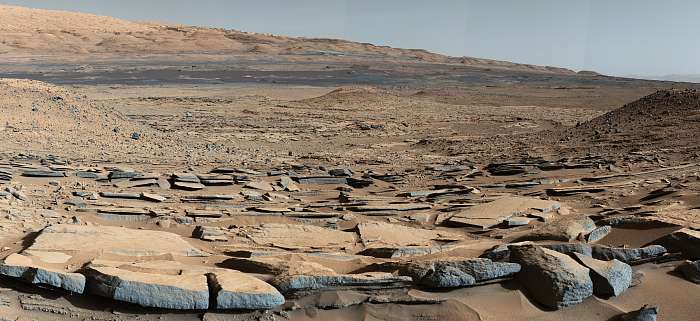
(620, 37)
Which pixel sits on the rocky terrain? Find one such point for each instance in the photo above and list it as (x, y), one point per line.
(257, 177)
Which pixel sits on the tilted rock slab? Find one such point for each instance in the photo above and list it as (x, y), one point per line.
(565, 228)
(459, 272)
(627, 255)
(182, 292)
(20, 266)
(553, 279)
(236, 290)
(684, 240)
(610, 278)
(373, 280)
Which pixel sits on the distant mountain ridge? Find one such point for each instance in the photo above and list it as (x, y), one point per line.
(26, 31)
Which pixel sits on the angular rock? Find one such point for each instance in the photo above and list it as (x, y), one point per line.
(182, 292)
(627, 255)
(340, 172)
(153, 197)
(236, 290)
(185, 177)
(209, 233)
(322, 180)
(292, 236)
(598, 234)
(690, 270)
(133, 196)
(262, 186)
(646, 313)
(568, 248)
(553, 279)
(565, 228)
(189, 186)
(20, 266)
(390, 252)
(491, 214)
(459, 272)
(288, 184)
(610, 278)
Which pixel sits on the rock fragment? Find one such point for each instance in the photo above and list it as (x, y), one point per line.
(610, 278)
(646, 313)
(459, 272)
(690, 270)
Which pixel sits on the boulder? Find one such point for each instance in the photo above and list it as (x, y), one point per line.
(565, 228)
(598, 234)
(568, 248)
(646, 313)
(627, 255)
(553, 279)
(458, 272)
(690, 270)
(610, 278)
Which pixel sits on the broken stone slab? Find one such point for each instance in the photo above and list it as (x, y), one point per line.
(519, 221)
(43, 173)
(123, 211)
(569, 248)
(17, 193)
(390, 207)
(565, 228)
(570, 191)
(188, 186)
(181, 292)
(390, 252)
(295, 236)
(627, 255)
(204, 213)
(690, 270)
(236, 290)
(340, 172)
(207, 198)
(439, 192)
(684, 240)
(185, 177)
(153, 197)
(137, 183)
(288, 184)
(380, 233)
(20, 266)
(646, 313)
(370, 280)
(610, 278)
(456, 272)
(113, 240)
(209, 233)
(276, 263)
(322, 180)
(88, 175)
(490, 214)
(121, 174)
(261, 186)
(598, 234)
(133, 196)
(553, 279)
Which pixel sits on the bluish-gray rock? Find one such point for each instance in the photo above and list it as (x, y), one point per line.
(684, 240)
(646, 313)
(598, 234)
(458, 272)
(610, 278)
(627, 255)
(553, 279)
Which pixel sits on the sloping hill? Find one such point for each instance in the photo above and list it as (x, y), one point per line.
(665, 120)
(25, 31)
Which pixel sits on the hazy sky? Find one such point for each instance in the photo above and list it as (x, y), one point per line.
(618, 37)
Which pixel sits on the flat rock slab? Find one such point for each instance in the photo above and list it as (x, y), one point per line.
(292, 236)
(452, 273)
(553, 279)
(565, 228)
(494, 213)
(114, 240)
(182, 292)
(188, 186)
(20, 266)
(627, 255)
(373, 280)
(610, 278)
(399, 235)
(43, 173)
